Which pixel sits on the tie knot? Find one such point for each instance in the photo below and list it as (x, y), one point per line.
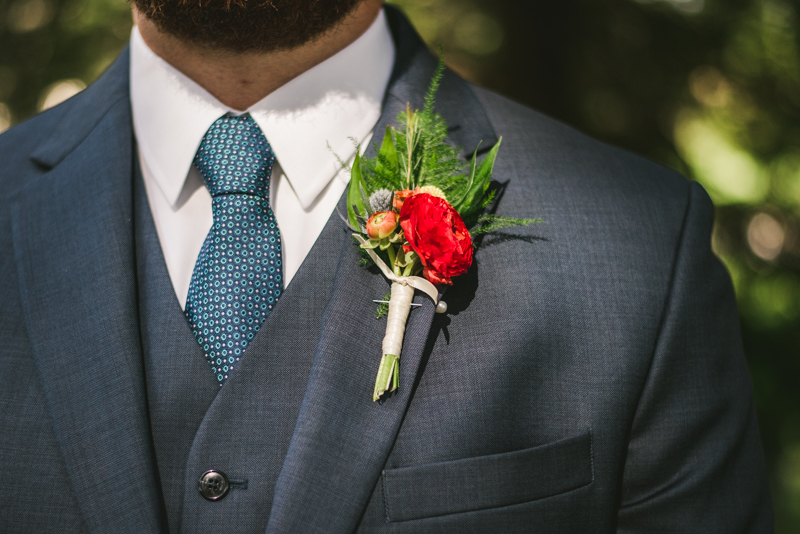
(235, 157)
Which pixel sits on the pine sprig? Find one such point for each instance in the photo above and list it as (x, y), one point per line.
(492, 223)
(430, 96)
(383, 307)
(436, 162)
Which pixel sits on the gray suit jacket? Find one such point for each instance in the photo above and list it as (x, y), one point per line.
(588, 376)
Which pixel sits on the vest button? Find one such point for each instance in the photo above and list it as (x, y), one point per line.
(213, 485)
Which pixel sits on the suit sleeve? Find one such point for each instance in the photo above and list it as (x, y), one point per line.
(694, 461)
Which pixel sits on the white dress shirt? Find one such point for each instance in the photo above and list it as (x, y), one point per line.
(307, 121)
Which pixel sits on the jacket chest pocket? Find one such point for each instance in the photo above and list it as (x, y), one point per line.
(488, 481)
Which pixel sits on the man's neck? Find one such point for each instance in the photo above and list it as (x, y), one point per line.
(239, 80)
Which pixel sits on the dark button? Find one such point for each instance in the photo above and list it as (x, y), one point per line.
(213, 485)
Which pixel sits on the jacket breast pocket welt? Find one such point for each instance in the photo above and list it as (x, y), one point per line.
(488, 481)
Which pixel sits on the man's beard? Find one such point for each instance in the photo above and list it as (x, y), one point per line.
(246, 25)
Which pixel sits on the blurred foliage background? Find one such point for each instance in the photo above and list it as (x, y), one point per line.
(708, 87)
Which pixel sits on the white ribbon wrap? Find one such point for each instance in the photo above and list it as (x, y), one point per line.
(400, 302)
(399, 308)
(417, 282)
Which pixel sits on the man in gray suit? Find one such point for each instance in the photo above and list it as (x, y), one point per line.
(588, 375)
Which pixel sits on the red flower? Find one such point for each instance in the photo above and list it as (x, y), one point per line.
(435, 231)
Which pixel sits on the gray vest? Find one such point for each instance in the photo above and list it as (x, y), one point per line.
(192, 418)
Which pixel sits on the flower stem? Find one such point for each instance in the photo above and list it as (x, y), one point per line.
(392, 258)
(409, 268)
(387, 379)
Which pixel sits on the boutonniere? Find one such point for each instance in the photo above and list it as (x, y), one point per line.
(411, 208)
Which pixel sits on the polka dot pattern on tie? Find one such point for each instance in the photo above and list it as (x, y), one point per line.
(238, 277)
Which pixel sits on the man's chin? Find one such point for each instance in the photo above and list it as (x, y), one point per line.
(240, 26)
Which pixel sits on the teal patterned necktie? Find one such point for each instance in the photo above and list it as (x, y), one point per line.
(238, 276)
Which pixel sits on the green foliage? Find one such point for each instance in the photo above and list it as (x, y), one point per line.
(383, 171)
(364, 260)
(55, 47)
(492, 223)
(425, 157)
(473, 199)
(357, 207)
(383, 307)
(418, 155)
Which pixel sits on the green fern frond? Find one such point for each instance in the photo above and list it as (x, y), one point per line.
(489, 198)
(492, 223)
(343, 164)
(430, 96)
(383, 307)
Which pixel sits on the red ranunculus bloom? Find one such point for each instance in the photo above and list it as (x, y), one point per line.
(435, 231)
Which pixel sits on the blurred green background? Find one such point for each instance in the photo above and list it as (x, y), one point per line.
(708, 87)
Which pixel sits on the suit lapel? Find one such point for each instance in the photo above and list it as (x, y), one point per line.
(342, 439)
(73, 240)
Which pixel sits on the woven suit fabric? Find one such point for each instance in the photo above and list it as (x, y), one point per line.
(238, 277)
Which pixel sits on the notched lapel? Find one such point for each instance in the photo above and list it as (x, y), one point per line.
(342, 438)
(73, 244)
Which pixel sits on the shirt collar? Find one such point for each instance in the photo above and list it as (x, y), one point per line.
(308, 121)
